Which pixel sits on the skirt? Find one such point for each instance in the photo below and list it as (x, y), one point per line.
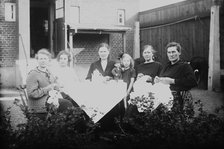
(183, 101)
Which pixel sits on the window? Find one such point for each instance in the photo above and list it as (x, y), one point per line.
(75, 14)
(120, 16)
(59, 7)
(10, 12)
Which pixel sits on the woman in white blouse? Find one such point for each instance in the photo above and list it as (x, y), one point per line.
(66, 76)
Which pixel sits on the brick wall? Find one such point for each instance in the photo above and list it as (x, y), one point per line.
(90, 43)
(116, 44)
(8, 38)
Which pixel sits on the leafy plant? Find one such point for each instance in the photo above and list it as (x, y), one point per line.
(159, 128)
(175, 129)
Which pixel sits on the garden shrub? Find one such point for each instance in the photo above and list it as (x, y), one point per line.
(152, 129)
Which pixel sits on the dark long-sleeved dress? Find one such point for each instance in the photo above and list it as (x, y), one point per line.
(152, 69)
(184, 80)
(107, 122)
(183, 75)
(97, 65)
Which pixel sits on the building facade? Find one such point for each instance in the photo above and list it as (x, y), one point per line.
(78, 26)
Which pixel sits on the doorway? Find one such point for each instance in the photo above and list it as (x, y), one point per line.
(41, 25)
(39, 29)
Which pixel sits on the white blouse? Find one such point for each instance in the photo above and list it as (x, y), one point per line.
(66, 77)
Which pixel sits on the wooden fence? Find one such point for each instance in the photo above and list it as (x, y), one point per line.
(187, 22)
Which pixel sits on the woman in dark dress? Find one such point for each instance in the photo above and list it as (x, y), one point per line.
(179, 75)
(146, 70)
(104, 66)
(149, 67)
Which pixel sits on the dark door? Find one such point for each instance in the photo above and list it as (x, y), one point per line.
(59, 35)
(39, 29)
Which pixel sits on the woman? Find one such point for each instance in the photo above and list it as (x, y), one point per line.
(39, 82)
(103, 66)
(149, 68)
(66, 76)
(179, 75)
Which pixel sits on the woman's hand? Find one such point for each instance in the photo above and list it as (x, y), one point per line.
(164, 80)
(149, 78)
(53, 86)
(107, 78)
(140, 75)
(57, 87)
(156, 79)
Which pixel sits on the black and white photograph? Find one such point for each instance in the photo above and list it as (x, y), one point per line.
(106, 74)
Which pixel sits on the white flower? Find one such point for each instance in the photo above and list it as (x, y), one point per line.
(54, 96)
(147, 96)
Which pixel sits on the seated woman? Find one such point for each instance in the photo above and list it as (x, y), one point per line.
(40, 82)
(66, 76)
(179, 75)
(149, 68)
(103, 66)
(64, 73)
(103, 69)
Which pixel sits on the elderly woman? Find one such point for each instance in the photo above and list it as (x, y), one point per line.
(103, 66)
(40, 82)
(149, 68)
(179, 75)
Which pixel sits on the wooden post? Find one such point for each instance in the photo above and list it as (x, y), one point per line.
(136, 41)
(51, 27)
(65, 25)
(23, 14)
(71, 48)
(214, 51)
(124, 42)
(24, 50)
(124, 50)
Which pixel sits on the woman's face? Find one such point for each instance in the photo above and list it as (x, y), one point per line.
(63, 60)
(172, 54)
(43, 60)
(147, 54)
(126, 62)
(103, 53)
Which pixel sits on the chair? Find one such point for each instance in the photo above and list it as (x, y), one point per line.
(23, 94)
